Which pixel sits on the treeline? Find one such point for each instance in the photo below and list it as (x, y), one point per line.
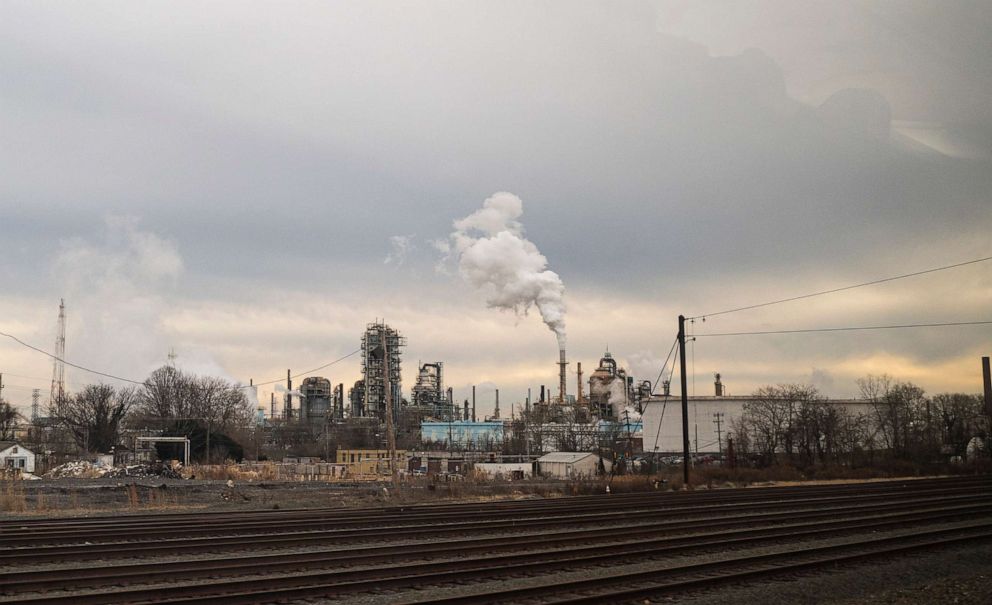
(795, 424)
(211, 411)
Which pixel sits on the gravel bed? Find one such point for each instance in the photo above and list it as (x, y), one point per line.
(605, 570)
(959, 575)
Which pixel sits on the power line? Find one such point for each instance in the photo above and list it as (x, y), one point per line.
(851, 287)
(141, 382)
(664, 366)
(68, 363)
(850, 328)
(326, 365)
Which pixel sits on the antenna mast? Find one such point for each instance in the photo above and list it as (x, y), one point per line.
(57, 398)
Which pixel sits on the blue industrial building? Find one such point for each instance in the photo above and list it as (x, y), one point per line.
(462, 432)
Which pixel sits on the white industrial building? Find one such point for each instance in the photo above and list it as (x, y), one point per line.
(571, 465)
(710, 418)
(16, 456)
(505, 470)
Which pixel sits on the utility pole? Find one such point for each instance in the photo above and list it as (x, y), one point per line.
(685, 403)
(390, 429)
(718, 421)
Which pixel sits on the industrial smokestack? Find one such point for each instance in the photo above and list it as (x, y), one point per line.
(987, 383)
(289, 397)
(496, 415)
(717, 385)
(561, 376)
(579, 397)
(542, 394)
(473, 403)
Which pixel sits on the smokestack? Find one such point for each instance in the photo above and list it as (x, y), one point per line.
(272, 406)
(496, 415)
(473, 403)
(466, 411)
(987, 379)
(289, 398)
(528, 400)
(579, 397)
(542, 394)
(561, 376)
(718, 386)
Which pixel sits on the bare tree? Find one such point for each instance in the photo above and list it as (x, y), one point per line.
(961, 419)
(8, 419)
(171, 396)
(94, 415)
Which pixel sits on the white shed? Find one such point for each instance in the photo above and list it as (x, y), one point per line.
(571, 465)
(16, 456)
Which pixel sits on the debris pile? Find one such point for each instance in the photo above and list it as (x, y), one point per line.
(81, 469)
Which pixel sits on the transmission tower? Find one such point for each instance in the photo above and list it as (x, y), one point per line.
(57, 398)
(35, 396)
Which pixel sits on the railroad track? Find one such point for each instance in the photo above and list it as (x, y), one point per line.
(258, 524)
(524, 544)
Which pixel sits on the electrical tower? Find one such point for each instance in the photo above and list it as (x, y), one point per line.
(57, 398)
(35, 396)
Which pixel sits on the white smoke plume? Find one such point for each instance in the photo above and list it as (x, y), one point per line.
(493, 255)
(401, 246)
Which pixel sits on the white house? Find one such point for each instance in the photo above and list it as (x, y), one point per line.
(571, 465)
(16, 456)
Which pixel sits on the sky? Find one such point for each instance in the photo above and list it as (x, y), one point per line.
(248, 184)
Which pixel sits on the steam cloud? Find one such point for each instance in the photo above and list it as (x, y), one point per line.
(494, 255)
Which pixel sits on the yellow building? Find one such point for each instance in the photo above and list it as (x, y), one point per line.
(370, 462)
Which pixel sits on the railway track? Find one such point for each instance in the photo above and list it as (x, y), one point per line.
(539, 539)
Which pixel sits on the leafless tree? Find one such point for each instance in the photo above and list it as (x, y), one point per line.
(8, 419)
(170, 395)
(94, 415)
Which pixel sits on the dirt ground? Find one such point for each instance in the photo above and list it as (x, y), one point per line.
(81, 497)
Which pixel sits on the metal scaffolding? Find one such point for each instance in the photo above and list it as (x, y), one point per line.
(381, 367)
(430, 395)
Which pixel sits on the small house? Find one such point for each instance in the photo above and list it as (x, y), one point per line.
(16, 456)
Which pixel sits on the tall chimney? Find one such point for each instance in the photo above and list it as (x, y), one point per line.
(579, 397)
(289, 398)
(987, 380)
(718, 386)
(542, 394)
(496, 415)
(561, 377)
(473, 403)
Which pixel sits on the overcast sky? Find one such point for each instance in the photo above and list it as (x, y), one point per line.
(250, 183)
